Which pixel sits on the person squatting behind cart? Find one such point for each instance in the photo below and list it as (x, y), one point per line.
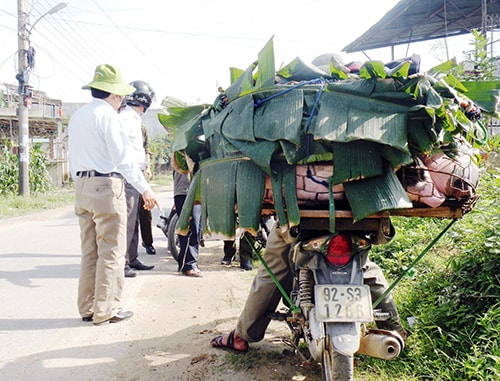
(264, 295)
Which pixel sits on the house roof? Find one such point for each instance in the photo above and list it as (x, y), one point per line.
(421, 20)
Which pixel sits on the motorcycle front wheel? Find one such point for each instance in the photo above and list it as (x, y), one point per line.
(335, 366)
(172, 239)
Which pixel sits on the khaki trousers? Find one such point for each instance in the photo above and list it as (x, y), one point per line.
(102, 214)
(264, 296)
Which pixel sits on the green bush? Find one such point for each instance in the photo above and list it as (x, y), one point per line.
(161, 151)
(39, 177)
(8, 170)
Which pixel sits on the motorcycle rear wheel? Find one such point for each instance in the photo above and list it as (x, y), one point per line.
(172, 239)
(335, 366)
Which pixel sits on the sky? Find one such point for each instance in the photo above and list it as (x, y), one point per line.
(184, 48)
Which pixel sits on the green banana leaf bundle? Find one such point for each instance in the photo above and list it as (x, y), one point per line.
(268, 122)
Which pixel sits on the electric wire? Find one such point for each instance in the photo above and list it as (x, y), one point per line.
(59, 31)
(71, 44)
(126, 36)
(74, 43)
(61, 39)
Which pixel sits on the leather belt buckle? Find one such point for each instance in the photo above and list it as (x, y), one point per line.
(94, 173)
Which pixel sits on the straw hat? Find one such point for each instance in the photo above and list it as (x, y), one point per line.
(109, 78)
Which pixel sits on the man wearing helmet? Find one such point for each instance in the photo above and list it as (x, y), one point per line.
(136, 104)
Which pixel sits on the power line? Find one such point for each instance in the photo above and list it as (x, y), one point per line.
(125, 35)
(72, 44)
(58, 37)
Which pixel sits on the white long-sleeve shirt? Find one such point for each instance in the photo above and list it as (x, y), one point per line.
(96, 141)
(131, 124)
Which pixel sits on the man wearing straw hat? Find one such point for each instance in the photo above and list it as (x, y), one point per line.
(99, 164)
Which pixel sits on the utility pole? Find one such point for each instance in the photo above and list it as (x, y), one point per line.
(23, 97)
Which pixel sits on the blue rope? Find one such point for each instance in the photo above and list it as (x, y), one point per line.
(309, 137)
(260, 102)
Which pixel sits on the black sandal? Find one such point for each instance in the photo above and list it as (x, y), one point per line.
(216, 342)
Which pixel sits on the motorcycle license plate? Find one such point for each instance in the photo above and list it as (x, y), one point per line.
(343, 303)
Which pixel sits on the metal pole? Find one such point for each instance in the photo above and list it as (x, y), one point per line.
(22, 77)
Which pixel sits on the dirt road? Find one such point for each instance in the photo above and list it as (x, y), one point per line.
(42, 337)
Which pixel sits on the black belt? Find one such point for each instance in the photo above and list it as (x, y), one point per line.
(98, 174)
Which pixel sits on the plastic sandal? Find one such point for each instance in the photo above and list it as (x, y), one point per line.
(216, 342)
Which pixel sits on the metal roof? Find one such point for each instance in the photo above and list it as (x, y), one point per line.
(421, 20)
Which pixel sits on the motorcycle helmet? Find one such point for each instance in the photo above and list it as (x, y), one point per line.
(142, 96)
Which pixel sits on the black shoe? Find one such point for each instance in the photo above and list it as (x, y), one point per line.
(138, 265)
(129, 272)
(227, 260)
(149, 249)
(120, 316)
(246, 265)
(88, 318)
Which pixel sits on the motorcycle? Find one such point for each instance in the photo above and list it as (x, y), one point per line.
(329, 307)
(168, 224)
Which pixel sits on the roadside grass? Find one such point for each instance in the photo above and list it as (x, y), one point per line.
(451, 296)
(269, 365)
(14, 205)
(162, 180)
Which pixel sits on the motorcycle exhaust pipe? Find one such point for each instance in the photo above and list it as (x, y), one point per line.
(386, 345)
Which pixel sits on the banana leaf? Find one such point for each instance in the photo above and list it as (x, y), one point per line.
(218, 195)
(337, 71)
(290, 192)
(298, 70)
(178, 113)
(294, 153)
(280, 118)
(355, 160)
(176, 107)
(210, 125)
(243, 85)
(376, 194)
(372, 69)
(317, 150)
(266, 72)
(344, 118)
(452, 82)
(250, 185)
(395, 156)
(222, 148)
(234, 74)
(367, 126)
(486, 94)
(444, 67)
(188, 137)
(277, 187)
(400, 71)
(260, 152)
(362, 87)
(237, 119)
